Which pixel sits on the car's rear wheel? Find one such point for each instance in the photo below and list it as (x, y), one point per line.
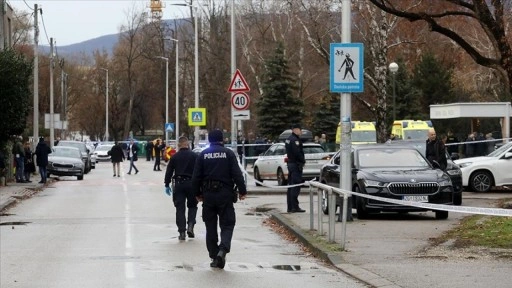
(257, 176)
(362, 213)
(441, 215)
(281, 179)
(480, 181)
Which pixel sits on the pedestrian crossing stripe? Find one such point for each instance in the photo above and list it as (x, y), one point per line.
(197, 117)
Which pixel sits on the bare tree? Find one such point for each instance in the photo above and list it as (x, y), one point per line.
(130, 51)
(493, 17)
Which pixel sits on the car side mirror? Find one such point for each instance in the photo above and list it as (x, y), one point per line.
(508, 155)
(454, 156)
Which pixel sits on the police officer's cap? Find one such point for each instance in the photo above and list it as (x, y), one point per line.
(296, 125)
(215, 136)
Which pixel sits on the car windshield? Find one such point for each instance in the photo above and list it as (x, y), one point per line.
(415, 134)
(103, 148)
(371, 158)
(78, 145)
(500, 150)
(364, 136)
(313, 149)
(66, 152)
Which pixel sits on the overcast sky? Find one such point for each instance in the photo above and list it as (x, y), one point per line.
(74, 21)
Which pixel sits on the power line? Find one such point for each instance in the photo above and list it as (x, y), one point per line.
(28, 5)
(44, 26)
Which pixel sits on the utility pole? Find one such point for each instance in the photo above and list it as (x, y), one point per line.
(233, 70)
(2, 13)
(62, 75)
(35, 130)
(52, 130)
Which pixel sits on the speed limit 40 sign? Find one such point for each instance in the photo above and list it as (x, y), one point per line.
(240, 101)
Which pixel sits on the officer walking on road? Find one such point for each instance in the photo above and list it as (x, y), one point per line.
(181, 168)
(215, 174)
(296, 162)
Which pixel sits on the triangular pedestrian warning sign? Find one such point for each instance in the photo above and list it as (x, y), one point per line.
(238, 83)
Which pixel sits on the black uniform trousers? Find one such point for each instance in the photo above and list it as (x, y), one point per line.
(218, 208)
(183, 193)
(292, 194)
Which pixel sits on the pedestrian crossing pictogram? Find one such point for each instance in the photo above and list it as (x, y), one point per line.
(196, 116)
(169, 127)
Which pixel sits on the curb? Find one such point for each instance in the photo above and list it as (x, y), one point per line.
(10, 201)
(336, 259)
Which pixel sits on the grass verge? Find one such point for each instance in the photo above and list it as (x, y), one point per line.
(481, 230)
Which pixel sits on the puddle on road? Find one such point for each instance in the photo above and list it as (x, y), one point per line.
(14, 223)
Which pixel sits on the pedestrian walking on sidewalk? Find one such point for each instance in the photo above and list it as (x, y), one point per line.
(180, 170)
(133, 150)
(42, 151)
(116, 156)
(296, 162)
(215, 174)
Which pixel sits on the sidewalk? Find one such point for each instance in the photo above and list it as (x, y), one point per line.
(14, 192)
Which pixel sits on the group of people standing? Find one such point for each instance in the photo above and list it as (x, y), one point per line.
(24, 160)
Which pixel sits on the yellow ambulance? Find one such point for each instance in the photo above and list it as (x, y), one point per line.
(362, 133)
(411, 129)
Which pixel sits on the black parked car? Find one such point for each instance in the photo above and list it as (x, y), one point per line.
(451, 168)
(390, 171)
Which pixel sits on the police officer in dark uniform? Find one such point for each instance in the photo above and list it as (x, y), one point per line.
(296, 162)
(215, 174)
(181, 168)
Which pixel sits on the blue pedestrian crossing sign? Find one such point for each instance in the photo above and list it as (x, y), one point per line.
(197, 117)
(346, 67)
(169, 127)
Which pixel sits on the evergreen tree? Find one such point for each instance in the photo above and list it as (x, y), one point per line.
(15, 73)
(434, 81)
(327, 116)
(277, 108)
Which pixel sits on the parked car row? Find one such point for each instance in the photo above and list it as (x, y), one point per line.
(397, 170)
(73, 158)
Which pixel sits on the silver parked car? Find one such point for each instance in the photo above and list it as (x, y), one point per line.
(272, 164)
(66, 161)
(86, 152)
(101, 152)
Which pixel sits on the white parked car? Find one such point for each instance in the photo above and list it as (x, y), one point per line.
(101, 152)
(480, 174)
(272, 164)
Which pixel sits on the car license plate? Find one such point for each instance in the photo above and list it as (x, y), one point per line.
(415, 198)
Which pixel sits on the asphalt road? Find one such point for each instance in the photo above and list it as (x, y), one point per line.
(120, 232)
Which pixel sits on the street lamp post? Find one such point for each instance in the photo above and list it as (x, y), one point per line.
(106, 103)
(196, 66)
(166, 96)
(393, 67)
(177, 125)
